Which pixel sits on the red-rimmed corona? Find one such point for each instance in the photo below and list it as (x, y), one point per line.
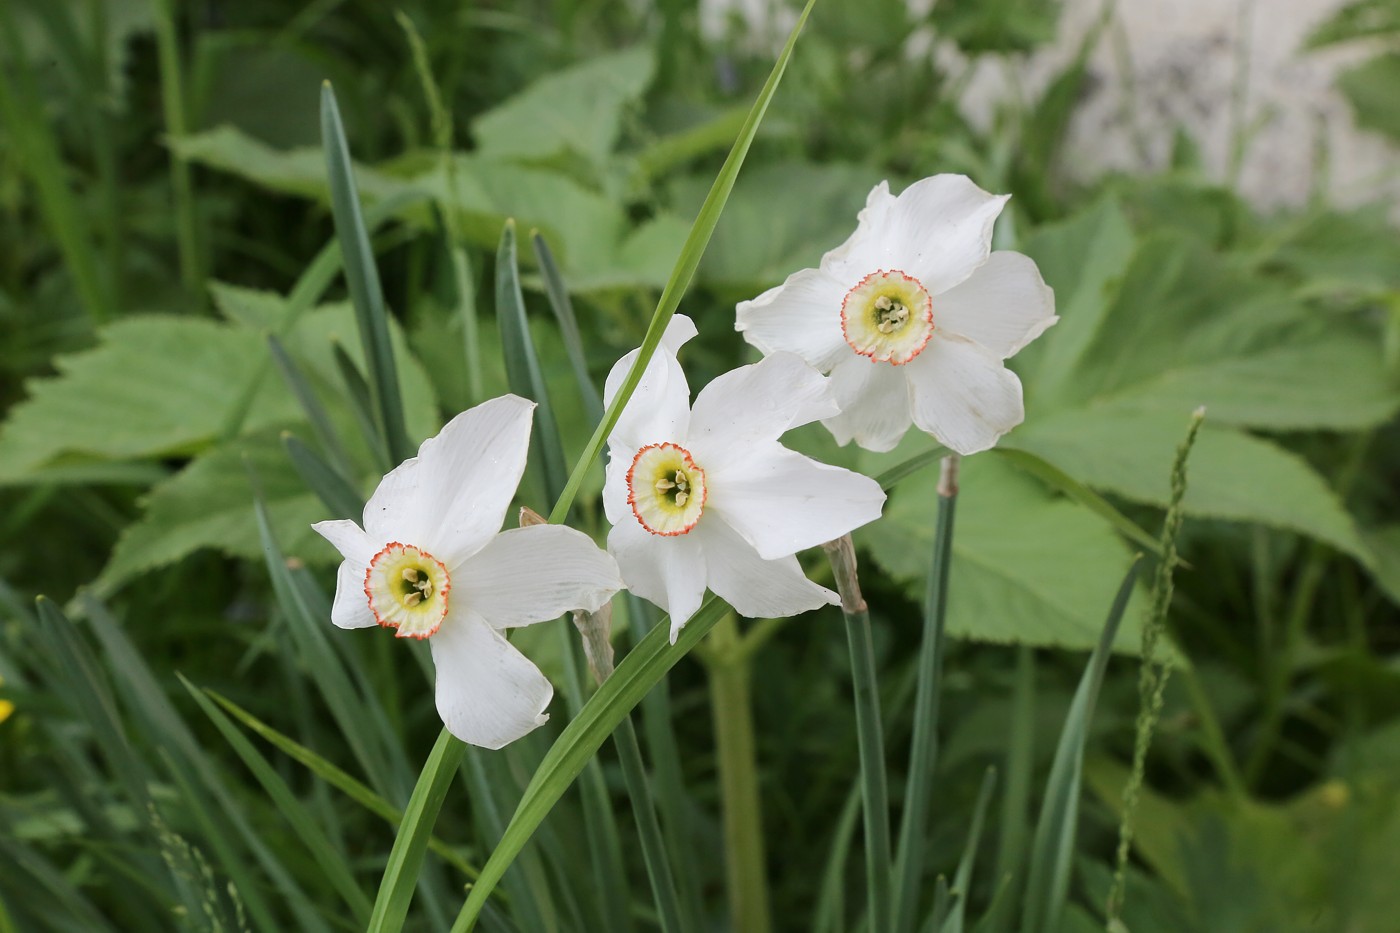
(887, 316)
(407, 589)
(666, 489)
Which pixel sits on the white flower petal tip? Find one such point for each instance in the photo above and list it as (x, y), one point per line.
(679, 331)
(431, 564)
(916, 277)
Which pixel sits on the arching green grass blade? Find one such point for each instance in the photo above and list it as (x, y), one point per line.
(331, 861)
(523, 365)
(362, 280)
(684, 271)
(639, 671)
(568, 326)
(401, 874)
(1052, 851)
(329, 485)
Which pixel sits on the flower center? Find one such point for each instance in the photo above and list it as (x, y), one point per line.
(888, 317)
(407, 590)
(666, 489)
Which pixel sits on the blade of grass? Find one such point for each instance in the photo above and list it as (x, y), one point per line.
(914, 464)
(923, 752)
(326, 434)
(829, 916)
(1015, 804)
(401, 874)
(646, 664)
(568, 325)
(357, 394)
(336, 778)
(962, 878)
(203, 791)
(362, 279)
(172, 84)
(684, 271)
(332, 863)
(1052, 851)
(523, 365)
(330, 486)
(33, 137)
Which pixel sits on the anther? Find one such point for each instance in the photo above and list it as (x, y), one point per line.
(410, 574)
(682, 498)
(883, 302)
(412, 599)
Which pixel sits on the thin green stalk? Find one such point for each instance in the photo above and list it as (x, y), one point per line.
(1216, 748)
(33, 139)
(731, 706)
(1015, 803)
(870, 736)
(663, 886)
(923, 754)
(1153, 675)
(172, 95)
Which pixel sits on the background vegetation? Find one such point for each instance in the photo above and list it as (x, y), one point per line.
(170, 300)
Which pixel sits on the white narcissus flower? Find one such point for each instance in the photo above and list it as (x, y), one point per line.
(431, 562)
(912, 317)
(708, 497)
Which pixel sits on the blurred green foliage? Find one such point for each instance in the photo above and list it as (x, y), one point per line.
(136, 410)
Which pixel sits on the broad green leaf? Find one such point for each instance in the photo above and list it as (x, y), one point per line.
(1385, 544)
(1006, 585)
(254, 308)
(209, 504)
(153, 387)
(1083, 259)
(578, 109)
(596, 243)
(1234, 476)
(1370, 88)
(1336, 381)
(300, 171)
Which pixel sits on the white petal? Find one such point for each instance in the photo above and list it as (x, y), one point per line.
(938, 230)
(659, 409)
(452, 497)
(1003, 306)
(963, 395)
(532, 574)
(781, 502)
(758, 588)
(669, 572)
(759, 402)
(802, 316)
(874, 400)
(615, 505)
(351, 606)
(488, 693)
(352, 543)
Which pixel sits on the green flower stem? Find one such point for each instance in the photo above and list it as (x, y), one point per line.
(731, 705)
(874, 785)
(923, 755)
(172, 95)
(663, 885)
(594, 627)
